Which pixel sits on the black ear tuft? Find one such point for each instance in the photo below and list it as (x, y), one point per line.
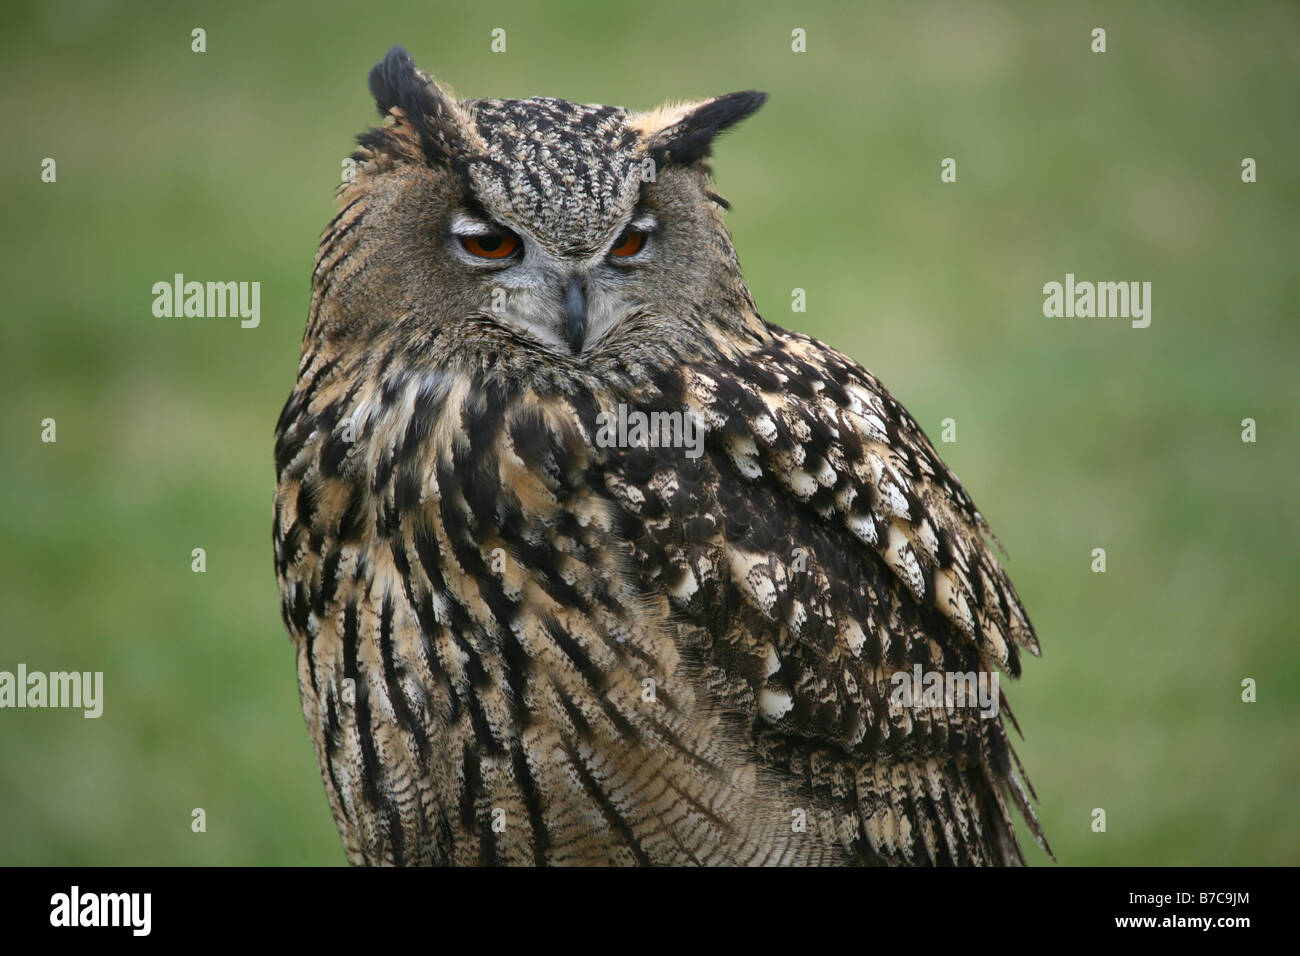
(692, 138)
(395, 81)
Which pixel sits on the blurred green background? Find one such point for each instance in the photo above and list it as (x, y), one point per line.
(1072, 433)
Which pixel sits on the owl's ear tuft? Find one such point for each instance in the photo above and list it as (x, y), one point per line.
(408, 94)
(685, 132)
(395, 81)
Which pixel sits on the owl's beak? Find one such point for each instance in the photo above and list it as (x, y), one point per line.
(575, 312)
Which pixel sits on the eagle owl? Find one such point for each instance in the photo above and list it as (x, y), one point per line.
(584, 561)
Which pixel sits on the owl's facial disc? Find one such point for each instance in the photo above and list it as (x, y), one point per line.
(567, 303)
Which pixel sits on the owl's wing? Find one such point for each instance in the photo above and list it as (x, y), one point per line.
(817, 549)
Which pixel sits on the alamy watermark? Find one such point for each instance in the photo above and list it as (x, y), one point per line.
(75, 689)
(638, 429)
(208, 300)
(129, 910)
(1098, 300)
(917, 688)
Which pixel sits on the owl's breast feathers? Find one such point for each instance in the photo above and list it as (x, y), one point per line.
(520, 643)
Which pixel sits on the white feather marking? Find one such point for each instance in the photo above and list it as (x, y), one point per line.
(863, 528)
(774, 704)
(773, 663)
(744, 455)
(751, 574)
(853, 637)
(891, 497)
(688, 586)
(926, 538)
(900, 556)
(802, 484)
(947, 594)
(826, 476)
(869, 426)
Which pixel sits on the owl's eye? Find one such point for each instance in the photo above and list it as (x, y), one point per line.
(628, 244)
(491, 245)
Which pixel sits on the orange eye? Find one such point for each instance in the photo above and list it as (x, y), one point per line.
(492, 245)
(628, 244)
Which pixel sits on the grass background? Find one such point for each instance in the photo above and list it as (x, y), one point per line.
(1072, 434)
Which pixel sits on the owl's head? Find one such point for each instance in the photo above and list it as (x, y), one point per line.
(557, 221)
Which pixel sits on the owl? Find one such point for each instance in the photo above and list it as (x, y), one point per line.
(585, 562)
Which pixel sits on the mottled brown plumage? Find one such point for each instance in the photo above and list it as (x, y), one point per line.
(521, 643)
